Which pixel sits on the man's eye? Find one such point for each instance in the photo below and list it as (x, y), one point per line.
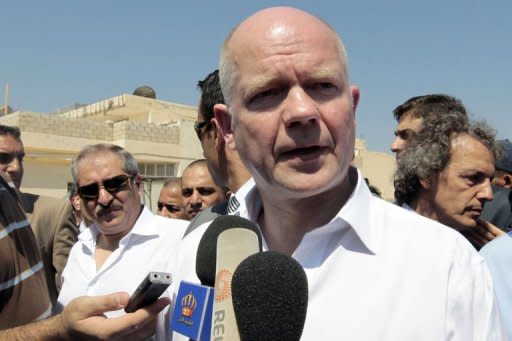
(323, 87)
(206, 191)
(186, 192)
(266, 94)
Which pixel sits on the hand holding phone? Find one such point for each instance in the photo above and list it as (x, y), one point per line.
(148, 291)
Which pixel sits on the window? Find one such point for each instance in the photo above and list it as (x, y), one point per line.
(158, 169)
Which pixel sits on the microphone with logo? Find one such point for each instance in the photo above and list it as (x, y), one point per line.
(270, 297)
(199, 312)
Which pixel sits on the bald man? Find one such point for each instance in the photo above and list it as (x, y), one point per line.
(371, 270)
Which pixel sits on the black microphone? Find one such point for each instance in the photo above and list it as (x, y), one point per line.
(270, 297)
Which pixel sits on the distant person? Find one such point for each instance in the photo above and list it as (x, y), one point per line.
(24, 300)
(371, 267)
(50, 218)
(224, 163)
(125, 240)
(503, 174)
(499, 210)
(498, 255)
(198, 189)
(170, 201)
(445, 175)
(411, 115)
(79, 219)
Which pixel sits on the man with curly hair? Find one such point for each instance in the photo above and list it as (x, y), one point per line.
(445, 174)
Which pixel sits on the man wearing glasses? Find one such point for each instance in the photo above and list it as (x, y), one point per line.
(170, 201)
(125, 240)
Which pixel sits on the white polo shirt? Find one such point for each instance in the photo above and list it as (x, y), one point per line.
(379, 272)
(151, 245)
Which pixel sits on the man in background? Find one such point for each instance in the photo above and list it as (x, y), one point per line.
(499, 210)
(170, 201)
(125, 240)
(24, 299)
(445, 174)
(224, 164)
(411, 115)
(198, 189)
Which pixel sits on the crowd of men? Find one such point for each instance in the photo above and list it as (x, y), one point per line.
(276, 123)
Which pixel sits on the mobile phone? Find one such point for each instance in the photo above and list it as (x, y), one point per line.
(148, 291)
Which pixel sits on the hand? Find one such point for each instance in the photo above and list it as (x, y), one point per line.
(83, 318)
(483, 233)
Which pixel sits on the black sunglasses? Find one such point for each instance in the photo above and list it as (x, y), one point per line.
(170, 207)
(199, 125)
(6, 158)
(112, 185)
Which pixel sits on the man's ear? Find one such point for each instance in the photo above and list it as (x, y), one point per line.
(426, 183)
(507, 181)
(217, 134)
(355, 97)
(223, 119)
(137, 181)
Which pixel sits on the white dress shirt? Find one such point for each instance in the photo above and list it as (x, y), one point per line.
(379, 272)
(151, 245)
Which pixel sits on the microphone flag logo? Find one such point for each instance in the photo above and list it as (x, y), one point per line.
(223, 285)
(193, 311)
(188, 304)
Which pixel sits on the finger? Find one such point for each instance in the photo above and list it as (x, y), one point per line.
(496, 231)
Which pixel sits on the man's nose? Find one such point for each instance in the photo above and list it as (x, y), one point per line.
(300, 108)
(397, 145)
(485, 191)
(195, 198)
(104, 197)
(14, 165)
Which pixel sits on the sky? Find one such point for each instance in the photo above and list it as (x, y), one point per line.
(57, 53)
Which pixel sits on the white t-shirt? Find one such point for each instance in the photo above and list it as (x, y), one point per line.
(379, 272)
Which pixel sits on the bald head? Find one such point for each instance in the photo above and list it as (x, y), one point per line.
(276, 26)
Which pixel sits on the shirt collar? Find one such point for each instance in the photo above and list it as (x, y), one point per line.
(142, 227)
(241, 195)
(356, 213)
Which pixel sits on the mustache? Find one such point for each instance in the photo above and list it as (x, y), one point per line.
(103, 209)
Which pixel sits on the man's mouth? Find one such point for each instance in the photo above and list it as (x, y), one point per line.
(303, 152)
(194, 212)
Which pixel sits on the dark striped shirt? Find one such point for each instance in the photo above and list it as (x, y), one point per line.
(23, 292)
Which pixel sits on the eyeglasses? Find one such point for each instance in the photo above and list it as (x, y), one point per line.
(112, 185)
(170, 207)
(198, 127)
(7, 158)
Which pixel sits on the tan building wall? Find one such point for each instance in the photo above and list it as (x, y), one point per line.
(159, 134)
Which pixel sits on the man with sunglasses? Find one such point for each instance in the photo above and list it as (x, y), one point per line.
(24, 300)
(125, 240)
(170, 201)
(50, 218)
(223, 162)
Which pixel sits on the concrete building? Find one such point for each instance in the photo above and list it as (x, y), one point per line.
(159, 134)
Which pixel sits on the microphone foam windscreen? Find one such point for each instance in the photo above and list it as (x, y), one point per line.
(206, 260)
(270, 297)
